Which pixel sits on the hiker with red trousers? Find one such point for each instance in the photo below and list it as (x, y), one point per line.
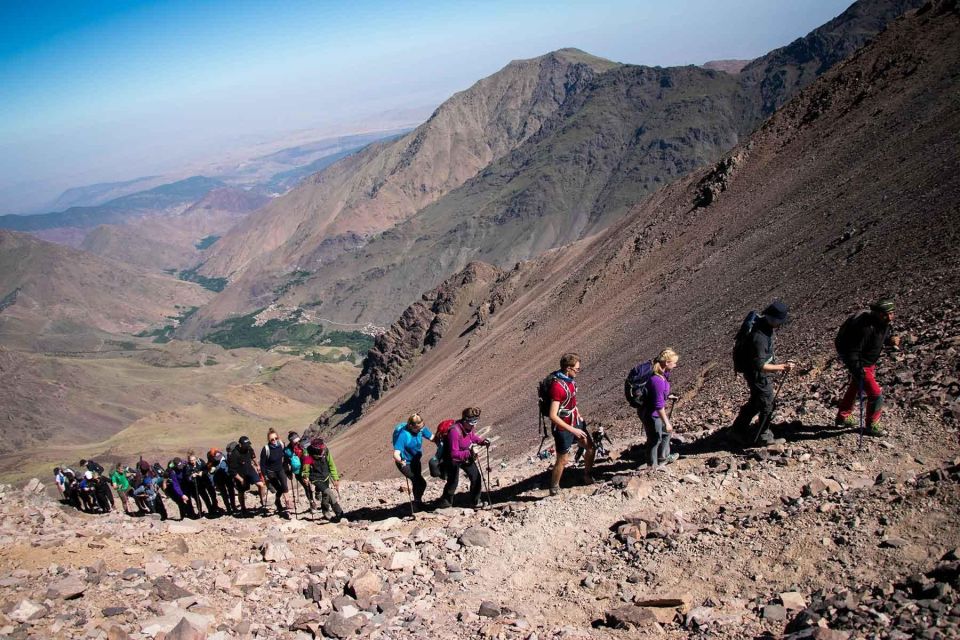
(458, 454)
(566, 423)
(860, 342)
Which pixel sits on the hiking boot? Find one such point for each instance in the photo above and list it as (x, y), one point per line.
(444, 504)
(670, 459)
(874, 429)
(588, 480)
(554, 490)
(766, 439)
(845, 421)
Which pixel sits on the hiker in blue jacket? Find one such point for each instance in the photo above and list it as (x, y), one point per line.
(407, 452)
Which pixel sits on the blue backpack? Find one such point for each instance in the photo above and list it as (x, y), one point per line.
(635, 387)
(294, 460)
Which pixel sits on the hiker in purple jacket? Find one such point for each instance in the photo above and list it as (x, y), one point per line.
(459, 455)
(655, 417)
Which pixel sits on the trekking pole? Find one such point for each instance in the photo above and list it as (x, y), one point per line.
(489, 499)
(410, 497)
(860, 398)
(294, 482)
(773, 407)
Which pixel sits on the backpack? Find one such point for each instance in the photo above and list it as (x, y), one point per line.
(443, 430)
(635, 387)
(849, 335)
(543, 393)
(293, 460)
(95, 467)
(396, 432)
(742, 345)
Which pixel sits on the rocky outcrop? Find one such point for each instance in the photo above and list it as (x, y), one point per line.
(419, 328)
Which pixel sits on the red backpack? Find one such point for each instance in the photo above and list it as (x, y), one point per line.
(443, 429)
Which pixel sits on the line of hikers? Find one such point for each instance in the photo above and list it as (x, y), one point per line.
(194, 484)
(859, 344)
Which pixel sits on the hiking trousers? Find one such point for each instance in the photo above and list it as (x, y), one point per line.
(874, 394)
(227, 489)
(759, 404)
(415, 475)
(453, 479)
(329, 500)
(658, 440)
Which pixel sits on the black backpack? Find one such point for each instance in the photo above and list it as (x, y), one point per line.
(742, 344)
(95, 467)
(635, 387)
(849, 335)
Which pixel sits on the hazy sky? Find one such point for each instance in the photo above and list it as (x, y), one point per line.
(100, 91)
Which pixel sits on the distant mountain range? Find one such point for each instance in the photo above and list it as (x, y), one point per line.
(538, 155)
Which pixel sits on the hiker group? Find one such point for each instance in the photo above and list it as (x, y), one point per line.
(194, 485)
(197, 487)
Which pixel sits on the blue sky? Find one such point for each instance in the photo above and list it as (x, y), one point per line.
(96, 91)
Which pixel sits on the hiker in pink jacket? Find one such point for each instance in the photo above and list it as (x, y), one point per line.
(459, 455)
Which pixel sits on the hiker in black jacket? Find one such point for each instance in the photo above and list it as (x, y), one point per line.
(859, 343)
(242, 465)
(271, 464)
(757, 362)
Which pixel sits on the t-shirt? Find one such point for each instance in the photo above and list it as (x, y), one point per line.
(564, 390)
(658, 392)
(408, 444)
(119, 480)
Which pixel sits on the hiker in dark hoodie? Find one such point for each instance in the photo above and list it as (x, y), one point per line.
(860, 342)
(243, 468)
(272, 463)
(174, 489)
(458, 455)
(758, 362)
(325, 478)
(204, 485)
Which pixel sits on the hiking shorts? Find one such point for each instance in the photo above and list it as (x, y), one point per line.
(563, 440)
(250, 478)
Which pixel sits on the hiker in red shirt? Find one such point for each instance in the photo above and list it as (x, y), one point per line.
(566, 422)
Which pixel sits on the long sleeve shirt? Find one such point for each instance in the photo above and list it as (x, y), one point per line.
(460, 441)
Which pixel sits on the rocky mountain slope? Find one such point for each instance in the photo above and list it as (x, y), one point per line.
(388, 182)
(614, 139)
(847, 193)
(50, 290)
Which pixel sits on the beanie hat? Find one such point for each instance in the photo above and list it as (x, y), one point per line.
(883, 304)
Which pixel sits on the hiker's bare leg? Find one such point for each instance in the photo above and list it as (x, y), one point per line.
(558, 468)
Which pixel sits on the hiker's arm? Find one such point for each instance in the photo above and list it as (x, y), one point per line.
(774, 368)
(334, 474)
(667, 426)
(397, 457)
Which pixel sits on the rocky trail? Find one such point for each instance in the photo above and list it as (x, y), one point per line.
(810, 537)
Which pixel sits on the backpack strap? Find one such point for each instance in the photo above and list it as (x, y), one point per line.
(563, 411)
